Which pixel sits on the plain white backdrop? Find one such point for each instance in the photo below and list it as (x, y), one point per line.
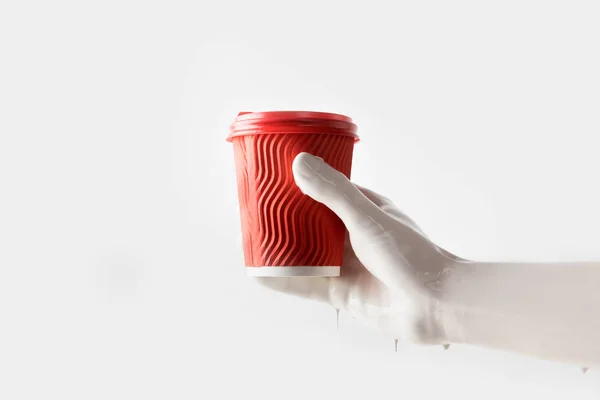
(121, 269)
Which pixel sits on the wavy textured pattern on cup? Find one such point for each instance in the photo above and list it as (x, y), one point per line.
(280, 225)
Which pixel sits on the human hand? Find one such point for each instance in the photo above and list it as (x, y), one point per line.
(392, 275)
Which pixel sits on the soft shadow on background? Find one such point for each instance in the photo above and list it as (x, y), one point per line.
(121, 272)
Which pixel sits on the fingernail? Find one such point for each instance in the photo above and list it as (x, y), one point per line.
(307, 165)
(312, 163)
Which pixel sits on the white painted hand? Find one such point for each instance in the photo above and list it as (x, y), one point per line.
(392, 273)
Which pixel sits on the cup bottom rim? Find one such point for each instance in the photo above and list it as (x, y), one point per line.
(291, 271)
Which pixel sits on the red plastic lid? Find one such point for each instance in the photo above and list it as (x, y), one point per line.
(291, 122)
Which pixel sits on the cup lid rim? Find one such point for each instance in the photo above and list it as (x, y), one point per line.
(274, 116)
(252, 123)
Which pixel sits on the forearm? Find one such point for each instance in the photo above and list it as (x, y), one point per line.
(549, 311)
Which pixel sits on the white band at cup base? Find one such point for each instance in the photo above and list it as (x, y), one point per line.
(293, 271)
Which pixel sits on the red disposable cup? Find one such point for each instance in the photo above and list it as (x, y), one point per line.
(286, 233)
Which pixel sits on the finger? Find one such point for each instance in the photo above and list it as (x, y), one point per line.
(327, 290)
(312, 288)
(400, 216)
(330, 187)
(375, 197)
(388, 207)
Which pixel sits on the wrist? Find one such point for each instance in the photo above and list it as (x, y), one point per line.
(452, 311)
(480, 304)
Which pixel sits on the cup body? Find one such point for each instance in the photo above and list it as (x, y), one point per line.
(286, 233)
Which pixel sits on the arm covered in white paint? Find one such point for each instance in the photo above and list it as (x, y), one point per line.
(550, 311)
(397, 280)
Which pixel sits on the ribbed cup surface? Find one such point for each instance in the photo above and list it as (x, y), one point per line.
(280, 225)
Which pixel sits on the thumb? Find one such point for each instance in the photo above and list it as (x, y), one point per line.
(330, 187)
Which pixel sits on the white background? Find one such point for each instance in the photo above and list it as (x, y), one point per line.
(121, 270)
